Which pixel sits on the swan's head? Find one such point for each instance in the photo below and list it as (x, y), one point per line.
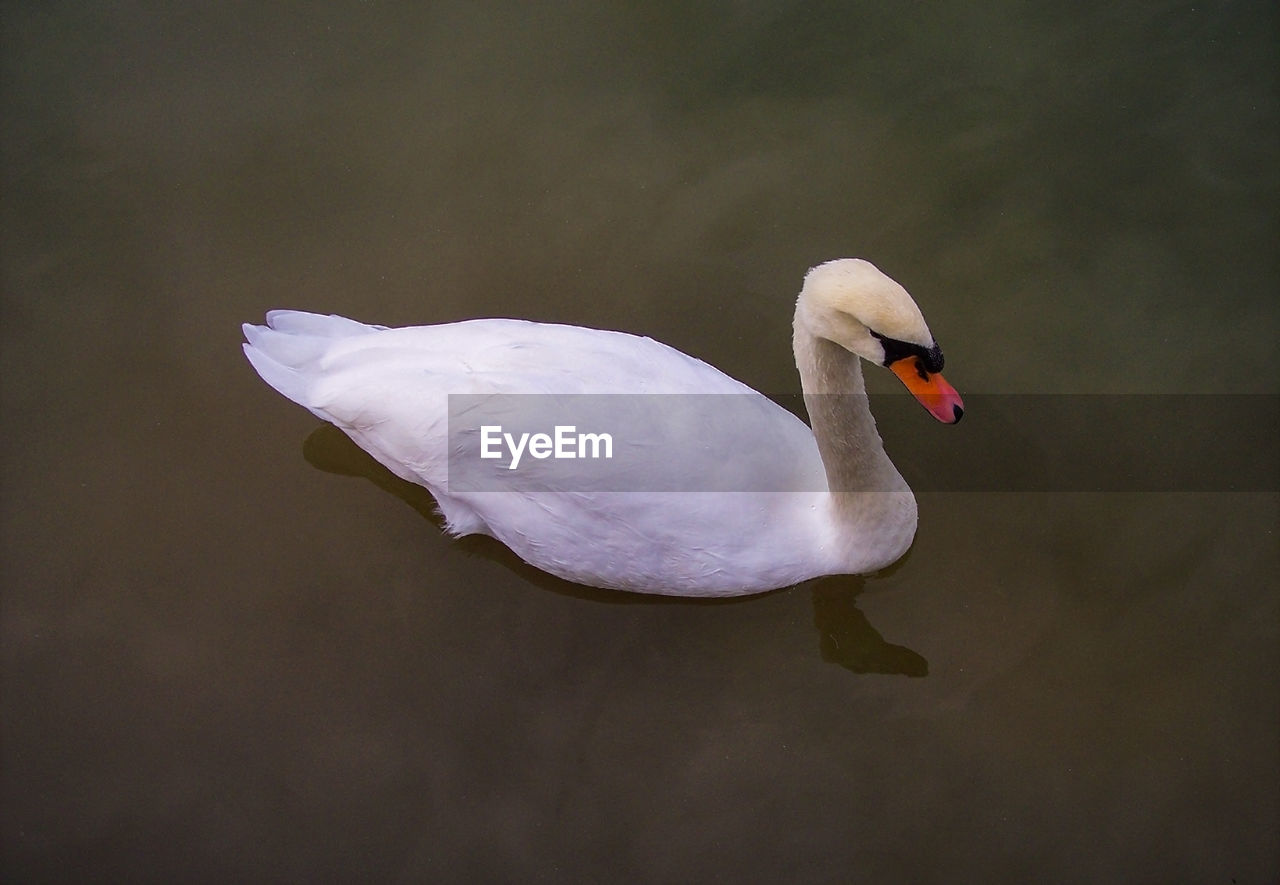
(849, 301)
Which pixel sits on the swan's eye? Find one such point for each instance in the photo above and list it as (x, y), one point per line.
(931, 358)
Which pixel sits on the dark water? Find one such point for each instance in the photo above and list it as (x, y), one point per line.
(227, 657)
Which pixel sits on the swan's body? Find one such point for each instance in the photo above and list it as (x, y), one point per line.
(819, 502)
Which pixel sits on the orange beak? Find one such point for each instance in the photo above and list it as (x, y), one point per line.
(931, 389)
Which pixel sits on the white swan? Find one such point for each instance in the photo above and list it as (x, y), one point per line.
(820, 502)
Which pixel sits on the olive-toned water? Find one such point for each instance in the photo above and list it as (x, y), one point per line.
(234, 649)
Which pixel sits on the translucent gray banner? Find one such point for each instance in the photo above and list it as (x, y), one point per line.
(1006, 443)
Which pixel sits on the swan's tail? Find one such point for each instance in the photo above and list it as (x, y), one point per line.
(286, 351)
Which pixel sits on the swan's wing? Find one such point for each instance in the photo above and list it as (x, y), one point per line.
(698, 455)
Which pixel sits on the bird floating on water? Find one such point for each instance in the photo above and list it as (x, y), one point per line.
(813, 502)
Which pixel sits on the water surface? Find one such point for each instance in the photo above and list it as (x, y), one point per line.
(233, 649)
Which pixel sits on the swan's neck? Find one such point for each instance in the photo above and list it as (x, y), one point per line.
(836, 397)
(858, 470)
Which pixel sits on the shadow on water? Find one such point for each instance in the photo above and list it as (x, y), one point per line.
(846, 637)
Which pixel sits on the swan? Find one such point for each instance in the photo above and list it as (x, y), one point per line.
(811, 502)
